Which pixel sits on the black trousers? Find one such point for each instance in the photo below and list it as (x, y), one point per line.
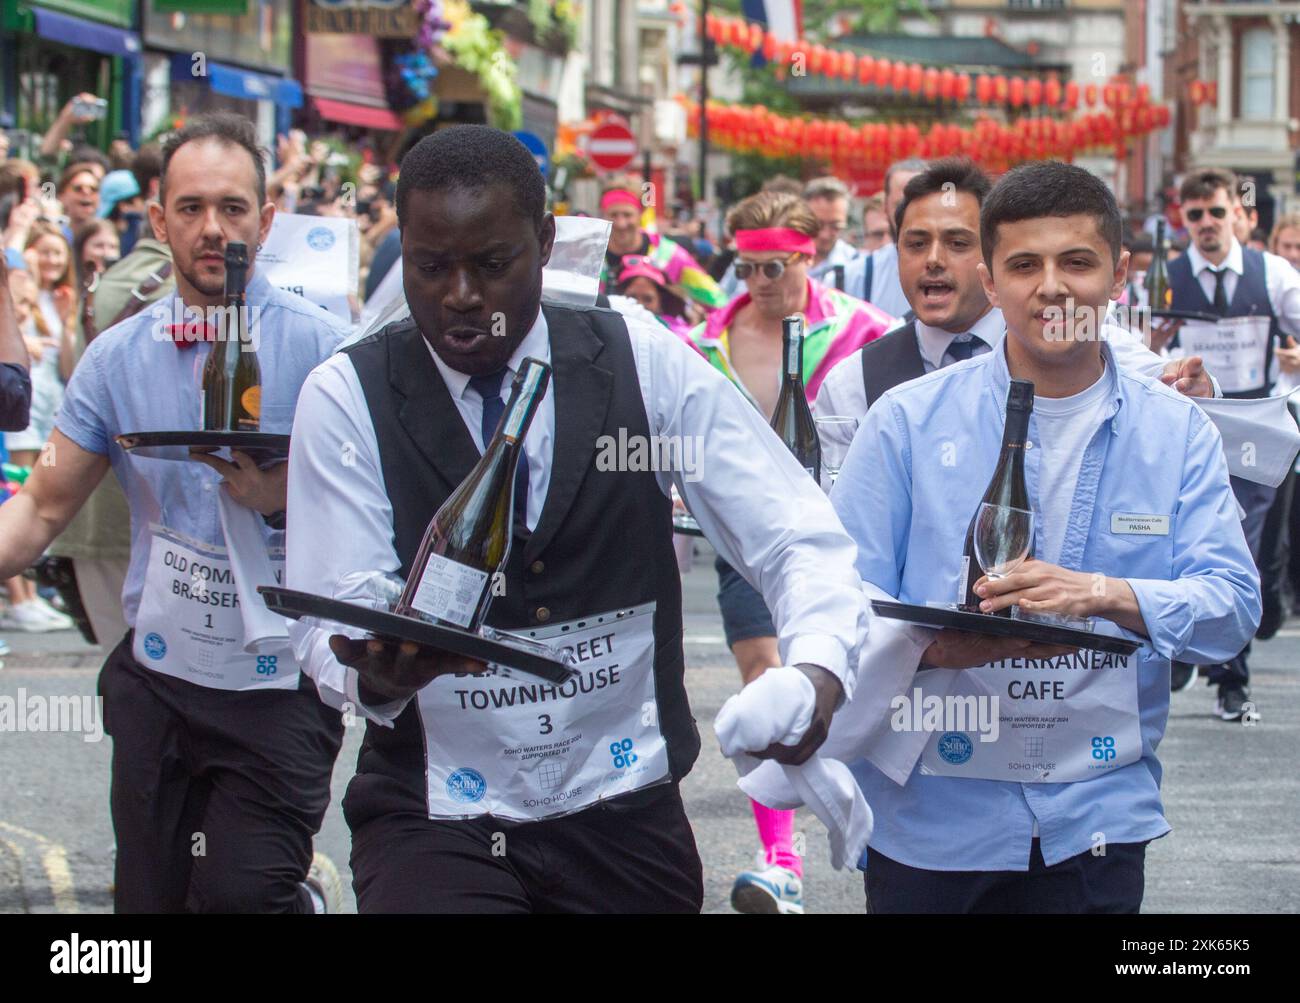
(216, 795)
(1256, 500)
(1112, 883)
(1275, 544)
(634, 855)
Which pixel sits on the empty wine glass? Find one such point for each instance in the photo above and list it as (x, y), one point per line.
(1003, 538)
(835, 432)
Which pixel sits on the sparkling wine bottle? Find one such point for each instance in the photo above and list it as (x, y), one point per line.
(1159, 293)
(232, 377)
(792, 419)
(468, 539)
(1006, 487)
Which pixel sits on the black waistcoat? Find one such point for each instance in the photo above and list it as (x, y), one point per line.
(603, 541)
(891, 360)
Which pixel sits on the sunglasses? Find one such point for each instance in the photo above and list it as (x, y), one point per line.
(1217, 211)
(771, 269)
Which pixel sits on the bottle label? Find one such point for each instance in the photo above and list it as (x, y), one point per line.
(792, 361)
(251, 399)
(449, 590)
(961, 581)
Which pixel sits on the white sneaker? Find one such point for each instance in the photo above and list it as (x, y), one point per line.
(27, 616)
(60, 619)
(323, 878)
(774, 889)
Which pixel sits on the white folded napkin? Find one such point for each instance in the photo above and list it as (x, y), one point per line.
(251, 565)
(1260, 438)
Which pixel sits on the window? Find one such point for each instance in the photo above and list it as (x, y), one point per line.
(1036, 4)
(1258, 71)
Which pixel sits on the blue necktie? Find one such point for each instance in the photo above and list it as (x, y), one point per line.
(960, 351)
(488, 387)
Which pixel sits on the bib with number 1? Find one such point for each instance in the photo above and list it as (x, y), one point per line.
(189, 625)
(518, 747)
(1059, 720)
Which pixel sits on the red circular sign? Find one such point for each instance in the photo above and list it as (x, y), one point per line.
(612, 146)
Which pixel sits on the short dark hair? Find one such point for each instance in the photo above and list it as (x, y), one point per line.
(1049, 188)
(1202, 182)
(472, 157)
(226, 128)
(959, 172)
(87, 154)
(146, 165)
(1142, 243)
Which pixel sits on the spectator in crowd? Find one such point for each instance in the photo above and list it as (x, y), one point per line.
(15, 380)
(78, 192)
(1285, 239)
(95, 248)
(828, 198)
(875, 224)
(1258, 239)
(648, 285)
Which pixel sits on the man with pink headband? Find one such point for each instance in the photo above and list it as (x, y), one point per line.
(774, 234)
(623, 207)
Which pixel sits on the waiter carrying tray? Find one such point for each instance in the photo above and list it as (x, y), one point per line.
(500, 793)
(1256, 295)
(222, 752)
(1049, 806)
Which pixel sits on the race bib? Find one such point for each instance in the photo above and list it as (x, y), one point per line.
(517, 747)
(189, 624)
(1055, 720)
(1234, 349)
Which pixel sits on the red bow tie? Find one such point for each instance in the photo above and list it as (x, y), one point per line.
(189, 335)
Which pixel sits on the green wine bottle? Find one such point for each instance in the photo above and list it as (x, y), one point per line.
(468, 539)
(792, 418)
(232, 377)
(1160, 294)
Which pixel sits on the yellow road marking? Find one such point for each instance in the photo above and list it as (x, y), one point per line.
(54, 861)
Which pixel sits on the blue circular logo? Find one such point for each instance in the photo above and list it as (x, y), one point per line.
(466, 785)
(320, 238)
(154, 646)
(955, 747)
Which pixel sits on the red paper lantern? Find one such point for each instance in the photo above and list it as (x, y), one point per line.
(984, 88)
(930, 83)
(1163, 116)
(915, 77)
(1110, 96)
(884, 72)
(866, 70)
(1212, 92)
(963, 86)
(1000, 89)
(1071, 95)
(1034, 91)
(1017, 91)
(1052, 91)
(899, 81)
(1090, 95)
(1144, 94)
(816, 59)
(848, 65)
(769, 47)
(947, 84)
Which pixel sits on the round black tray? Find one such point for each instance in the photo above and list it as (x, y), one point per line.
(1186, 315)
(685, 525)
(1002, 626)
(294, 604)
(262, 447)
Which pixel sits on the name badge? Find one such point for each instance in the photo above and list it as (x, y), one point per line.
(1135, 524)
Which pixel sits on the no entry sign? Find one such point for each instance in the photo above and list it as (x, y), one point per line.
(612, 146)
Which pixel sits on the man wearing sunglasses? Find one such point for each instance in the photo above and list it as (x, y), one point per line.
(775, 234)
(1257, 297)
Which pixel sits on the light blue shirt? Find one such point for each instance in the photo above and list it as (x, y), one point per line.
(841, 254)
(131, 381)
(914, 474)
(886, 289)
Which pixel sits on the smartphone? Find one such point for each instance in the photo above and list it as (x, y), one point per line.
(94, 108)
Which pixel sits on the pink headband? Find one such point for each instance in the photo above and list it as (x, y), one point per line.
(774, 238)
(619, 196)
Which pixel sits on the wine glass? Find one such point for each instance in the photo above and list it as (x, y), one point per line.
(835, 432)
(1003, 538)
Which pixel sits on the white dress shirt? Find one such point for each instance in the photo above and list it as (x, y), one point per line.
(756, 505)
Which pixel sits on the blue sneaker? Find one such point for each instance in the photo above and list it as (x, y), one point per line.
(774, 889)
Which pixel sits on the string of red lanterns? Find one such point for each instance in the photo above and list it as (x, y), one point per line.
(1204, 92)
(853, 150)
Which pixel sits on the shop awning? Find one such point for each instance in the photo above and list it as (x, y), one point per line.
(239, 83)
(83, 34)
(358, 114)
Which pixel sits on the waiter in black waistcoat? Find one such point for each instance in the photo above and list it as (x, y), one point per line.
(504, 794)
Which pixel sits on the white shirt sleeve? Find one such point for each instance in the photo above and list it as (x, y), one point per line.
(1283, 282)
(757, 506)
(338, 519)
(843, 392)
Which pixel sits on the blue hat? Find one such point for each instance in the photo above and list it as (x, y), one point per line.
(116, 186)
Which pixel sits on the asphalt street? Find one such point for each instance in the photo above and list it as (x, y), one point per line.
(1232, 791)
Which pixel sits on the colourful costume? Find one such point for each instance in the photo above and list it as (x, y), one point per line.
(677, 264)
